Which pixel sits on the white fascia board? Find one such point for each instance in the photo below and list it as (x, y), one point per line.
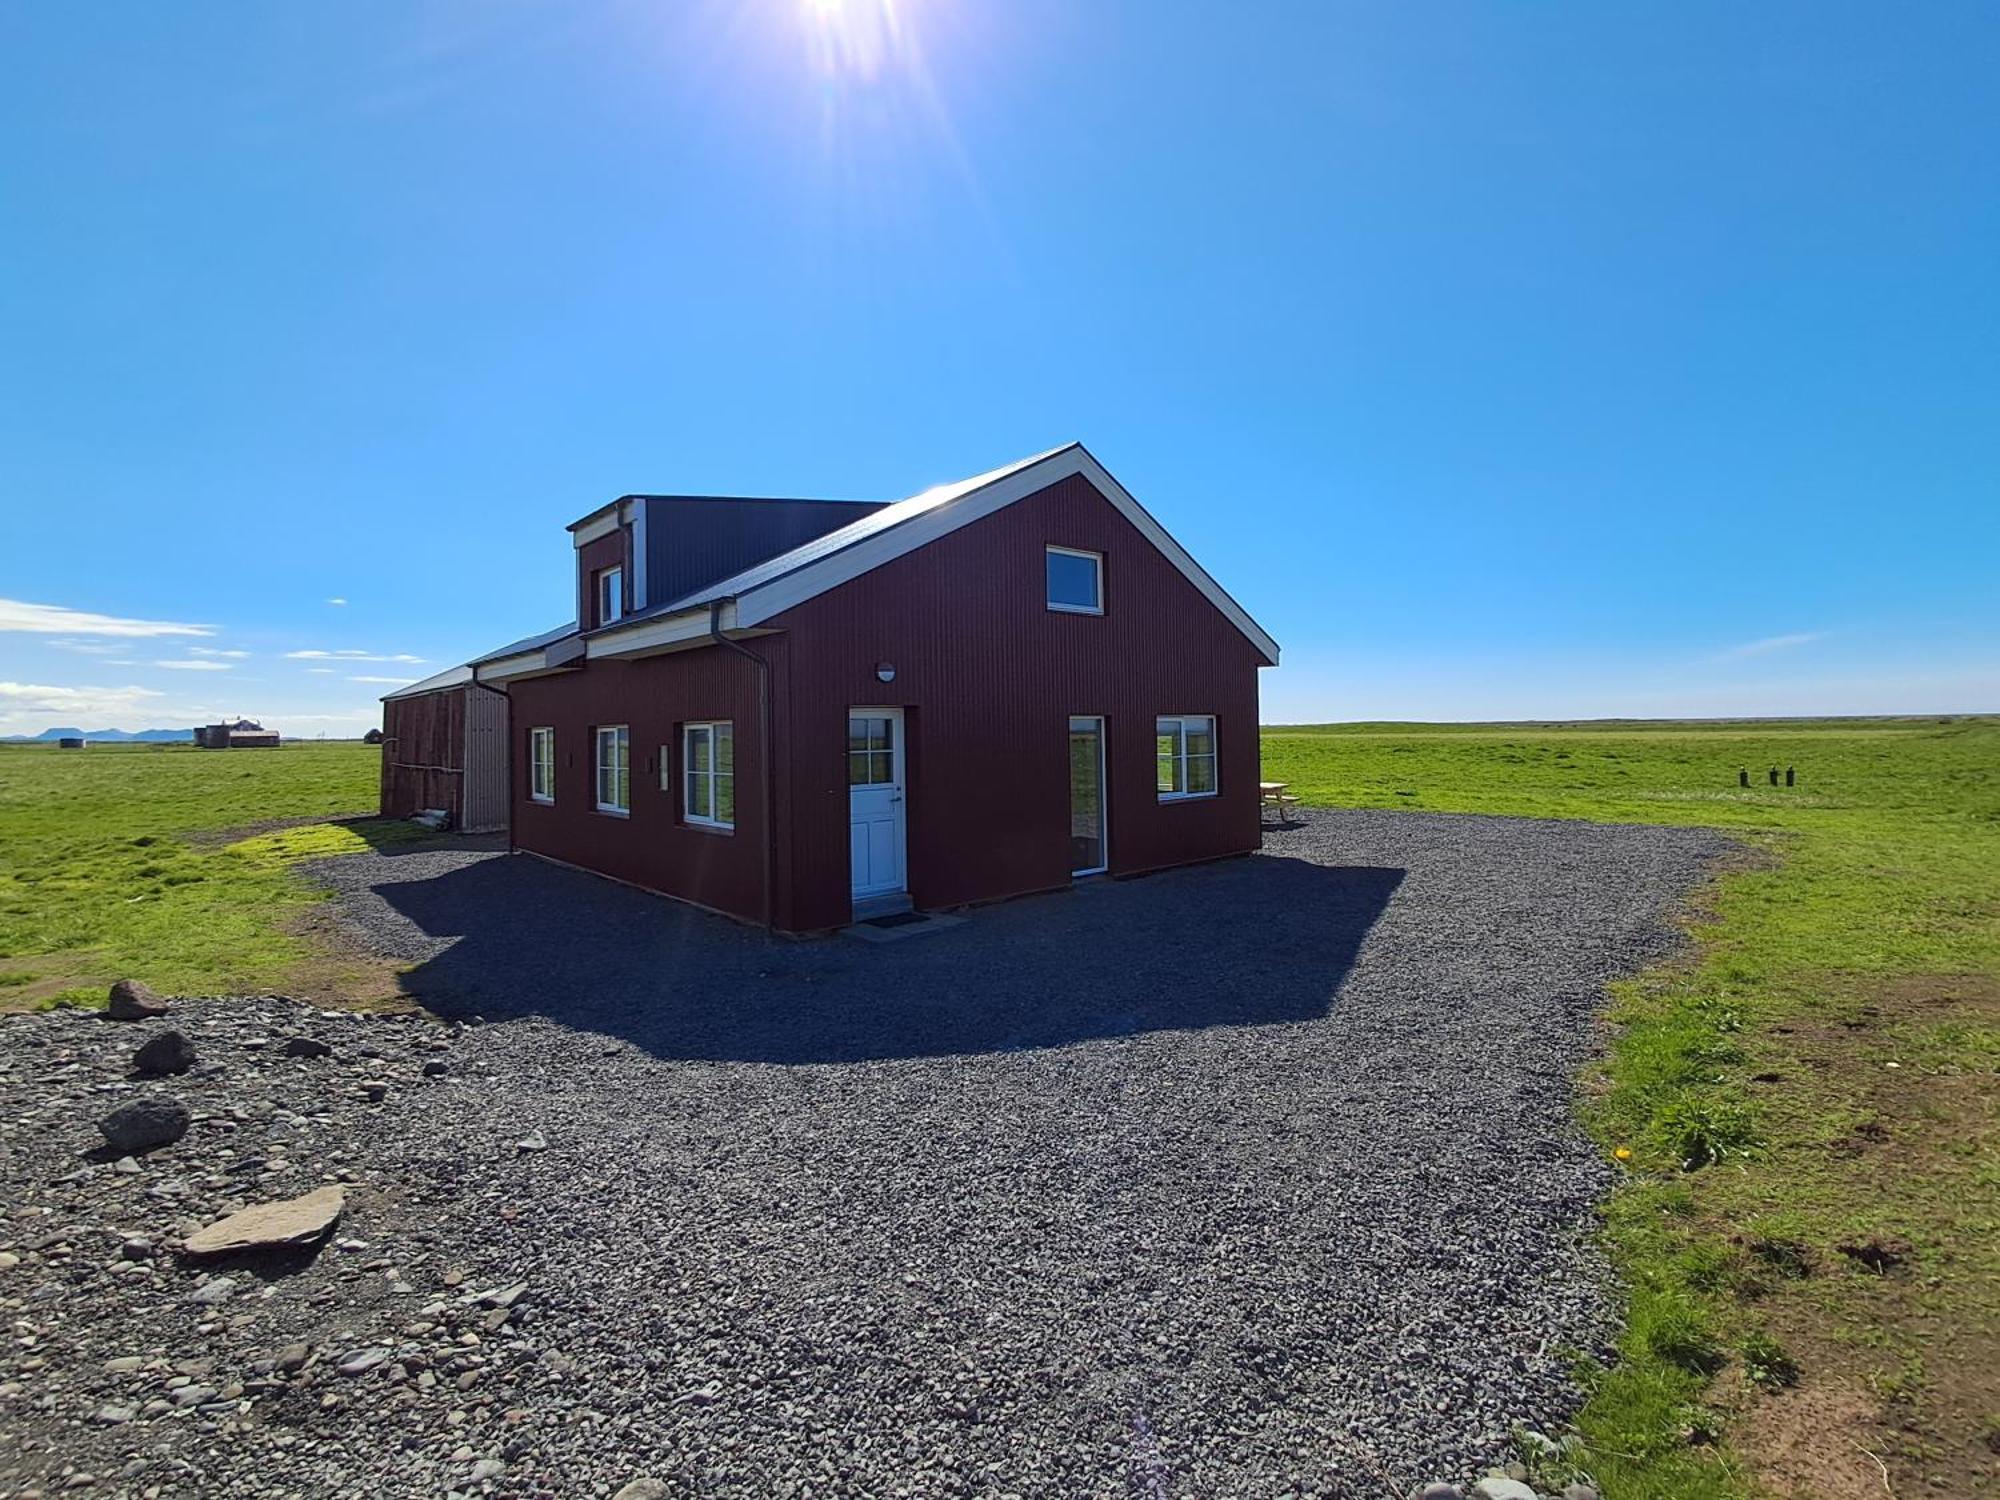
(781, 594)
(507, 668)
(663, 634)
(602, 525)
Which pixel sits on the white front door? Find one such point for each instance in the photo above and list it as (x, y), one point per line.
(875, 800)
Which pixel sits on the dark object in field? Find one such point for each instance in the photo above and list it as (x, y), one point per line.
(1791, 775)
(133, 1001)
(155, 1120)
(305, 1046)
(169, 1052)
(372, 737)
(1774, 776)
(69, 742)
(1879, 1253)
(1743, 777)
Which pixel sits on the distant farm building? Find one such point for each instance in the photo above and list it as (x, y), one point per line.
(237, 734)
(69, 742)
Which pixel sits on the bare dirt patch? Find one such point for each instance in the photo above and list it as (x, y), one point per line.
(1820, 1440)
(1897, 1328)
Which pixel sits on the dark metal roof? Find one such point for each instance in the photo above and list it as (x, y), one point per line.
(885, 519)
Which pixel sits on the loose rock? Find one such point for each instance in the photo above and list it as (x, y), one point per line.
(169, 1052)
(217, 1290)
(132, 1001)
(361, 1361)
(146, 1123)
(293, 1221)
(305, 1046)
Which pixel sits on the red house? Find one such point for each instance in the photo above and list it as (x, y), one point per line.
(803, 712)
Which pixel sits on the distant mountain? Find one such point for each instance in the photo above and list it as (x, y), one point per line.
(103, 736)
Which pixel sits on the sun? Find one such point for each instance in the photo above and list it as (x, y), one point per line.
(854, 38)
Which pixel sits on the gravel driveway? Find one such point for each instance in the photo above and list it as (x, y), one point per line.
(1254, 1179)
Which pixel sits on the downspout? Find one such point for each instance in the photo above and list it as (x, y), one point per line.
(506, 739)
(763, 667)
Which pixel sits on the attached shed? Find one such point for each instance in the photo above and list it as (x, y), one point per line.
(444, 745)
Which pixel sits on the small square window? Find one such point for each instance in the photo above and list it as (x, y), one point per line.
(1075, 581)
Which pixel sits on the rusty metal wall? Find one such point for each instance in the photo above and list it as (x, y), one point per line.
(423, 754)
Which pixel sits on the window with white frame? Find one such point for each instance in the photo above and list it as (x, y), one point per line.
(708, 774)
(1186, 756)
(1076, 581)
(614, 769)
(542, 764)
(610, 595)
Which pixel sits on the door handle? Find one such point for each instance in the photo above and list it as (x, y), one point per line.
(897, 798)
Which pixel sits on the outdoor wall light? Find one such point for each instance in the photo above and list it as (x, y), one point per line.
(885, 671)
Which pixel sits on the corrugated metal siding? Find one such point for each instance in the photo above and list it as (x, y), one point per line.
(423, 754)
(988, 677)
(693, 540)
(592, 558)
(485, 761)
(652, 847)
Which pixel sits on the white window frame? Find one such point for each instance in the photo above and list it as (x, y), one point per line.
(1096, 560)
(1180, 723)
(713, 775)
(542, 765)
(618, 734)
(610, 595)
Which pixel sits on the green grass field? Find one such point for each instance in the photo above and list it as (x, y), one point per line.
(1823, 1071)
(111, 864)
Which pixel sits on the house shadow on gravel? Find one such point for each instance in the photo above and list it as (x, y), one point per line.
(1250, 941)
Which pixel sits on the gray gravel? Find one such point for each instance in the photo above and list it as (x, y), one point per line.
(1255, 1179)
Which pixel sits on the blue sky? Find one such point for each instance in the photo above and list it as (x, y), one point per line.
(1504, 360)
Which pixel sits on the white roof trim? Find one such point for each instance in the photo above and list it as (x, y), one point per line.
(522, 664)
(661, 633)
(437, 682)
(613, 516)
(788, 590)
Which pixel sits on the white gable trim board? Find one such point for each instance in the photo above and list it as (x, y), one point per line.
(783, 593)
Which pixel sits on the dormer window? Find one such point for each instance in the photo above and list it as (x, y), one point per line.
(1076, 581)
(610, 596)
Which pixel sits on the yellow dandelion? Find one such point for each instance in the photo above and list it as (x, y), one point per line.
(1623, 1153)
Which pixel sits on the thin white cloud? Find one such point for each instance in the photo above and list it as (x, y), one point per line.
(57, 619)
(1771, 643)
(325, 671)
(196, 666)
(212, 651)
(397, 680)
(28, 707)
(88, 648)
(347, 656)
(336, 599)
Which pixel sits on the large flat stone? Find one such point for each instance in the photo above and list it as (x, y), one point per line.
(291, 1222)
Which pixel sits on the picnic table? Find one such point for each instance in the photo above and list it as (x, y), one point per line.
(1275, 794)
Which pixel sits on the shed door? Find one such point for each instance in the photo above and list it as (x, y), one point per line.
(875, 800)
